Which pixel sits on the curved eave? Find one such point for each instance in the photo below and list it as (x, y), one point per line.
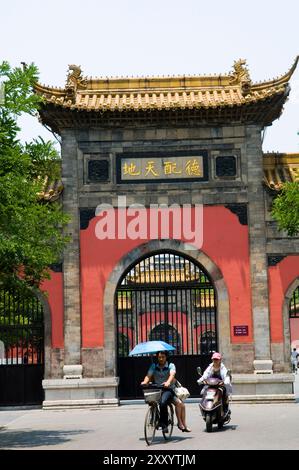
(277, 82)
(47, 90)
(263, 111)
(166, 101)
(160, 99)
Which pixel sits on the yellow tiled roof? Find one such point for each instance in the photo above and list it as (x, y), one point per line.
(166, 93)
(280, 168)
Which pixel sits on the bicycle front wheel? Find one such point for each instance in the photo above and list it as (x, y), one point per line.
(167, 435)
(150, 424)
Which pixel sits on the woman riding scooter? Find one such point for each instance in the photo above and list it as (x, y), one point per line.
(218, 370)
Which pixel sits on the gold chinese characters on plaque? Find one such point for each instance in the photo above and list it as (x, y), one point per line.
(161, 168)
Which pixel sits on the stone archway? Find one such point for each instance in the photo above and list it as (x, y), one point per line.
(198, 256)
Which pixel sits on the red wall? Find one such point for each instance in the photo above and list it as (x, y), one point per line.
(225, 241)
(54, 289)
(281, 277)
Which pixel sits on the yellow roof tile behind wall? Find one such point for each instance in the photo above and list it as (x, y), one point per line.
(280, 168)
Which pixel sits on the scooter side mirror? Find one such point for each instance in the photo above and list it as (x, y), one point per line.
(199, 370)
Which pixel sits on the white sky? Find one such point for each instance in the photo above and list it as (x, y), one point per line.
(160, 37)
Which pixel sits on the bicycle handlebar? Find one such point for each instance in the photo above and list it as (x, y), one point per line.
(154, 386)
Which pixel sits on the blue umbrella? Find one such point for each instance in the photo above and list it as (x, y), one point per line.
(151, 347)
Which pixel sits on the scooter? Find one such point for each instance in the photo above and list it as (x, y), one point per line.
(211, 404)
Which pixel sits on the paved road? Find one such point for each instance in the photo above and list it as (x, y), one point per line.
(252, 427)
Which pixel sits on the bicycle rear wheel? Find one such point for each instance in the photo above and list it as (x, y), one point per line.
(150, 424)
(167, 435)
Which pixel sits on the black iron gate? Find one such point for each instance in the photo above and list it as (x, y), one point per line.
(167, 297)
(21, 348)
(294, 304)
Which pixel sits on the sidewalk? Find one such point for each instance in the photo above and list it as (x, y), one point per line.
(252, 427)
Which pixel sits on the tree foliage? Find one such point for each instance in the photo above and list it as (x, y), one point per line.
(31, 231)
(286, 208)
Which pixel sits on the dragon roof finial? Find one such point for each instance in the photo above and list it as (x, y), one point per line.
(74, 81)
(240, 75)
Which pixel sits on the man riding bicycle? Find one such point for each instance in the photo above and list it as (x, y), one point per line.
(164, 374)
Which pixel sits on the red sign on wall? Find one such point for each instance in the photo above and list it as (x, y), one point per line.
(241, 330)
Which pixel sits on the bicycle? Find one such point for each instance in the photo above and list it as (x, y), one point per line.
(152, 395)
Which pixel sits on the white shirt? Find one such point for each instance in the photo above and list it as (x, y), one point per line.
(223, 373)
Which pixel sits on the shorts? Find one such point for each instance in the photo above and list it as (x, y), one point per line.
(176, 400)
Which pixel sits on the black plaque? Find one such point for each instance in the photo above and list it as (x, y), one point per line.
(98, 170)
(226, 166)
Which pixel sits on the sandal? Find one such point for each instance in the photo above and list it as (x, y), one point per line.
(186, 430)
(181, 429)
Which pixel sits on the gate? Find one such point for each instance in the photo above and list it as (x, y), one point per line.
(165, 297)
(294, 304)
(21, 348)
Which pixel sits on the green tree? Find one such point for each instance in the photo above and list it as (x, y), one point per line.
(31, 229)
(285, 208)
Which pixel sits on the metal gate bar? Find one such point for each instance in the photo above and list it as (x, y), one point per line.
(294, 304)
(21, 347)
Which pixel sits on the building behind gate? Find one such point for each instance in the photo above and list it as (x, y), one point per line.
(169, 146)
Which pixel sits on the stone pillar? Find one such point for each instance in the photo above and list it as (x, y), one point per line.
(258, 257)
(71, 257)
(74, 390)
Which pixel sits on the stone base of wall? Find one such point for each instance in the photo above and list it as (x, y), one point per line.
(256, 399)
(93, 362)
(80, 393)
(263, 388)
(57, 362)
(242, 358)
(277, 355)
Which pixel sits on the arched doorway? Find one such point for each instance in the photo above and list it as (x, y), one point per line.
(22, 351)
(167, 296)
(294, 318)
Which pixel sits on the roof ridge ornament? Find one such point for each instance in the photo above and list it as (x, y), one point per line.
(74, 81)
(240, 76)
